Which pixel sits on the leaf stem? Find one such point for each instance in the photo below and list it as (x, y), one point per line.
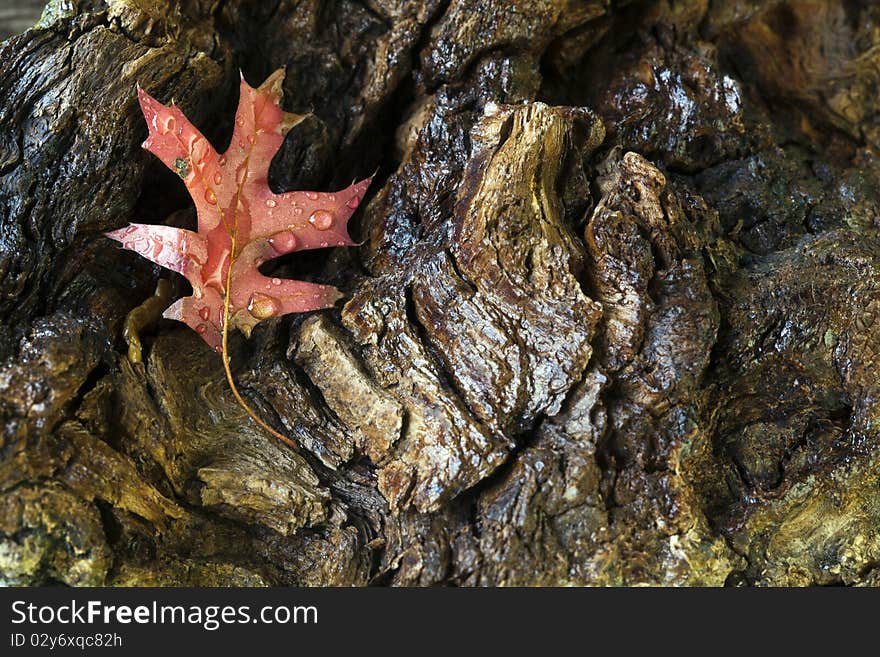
(227, 299)
(225, 355)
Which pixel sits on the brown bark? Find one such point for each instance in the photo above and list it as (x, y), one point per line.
(612, 322)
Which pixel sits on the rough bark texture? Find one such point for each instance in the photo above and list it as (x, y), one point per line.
(614, 319)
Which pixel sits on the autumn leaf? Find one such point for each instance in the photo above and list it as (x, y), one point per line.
(241, 222)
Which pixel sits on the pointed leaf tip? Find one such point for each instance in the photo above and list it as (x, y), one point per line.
(273, 85)
(143, 96)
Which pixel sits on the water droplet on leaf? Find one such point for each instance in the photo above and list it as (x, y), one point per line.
(198, 149)
(262, 306)
(167, 125)
(283, 242)
(321, 219)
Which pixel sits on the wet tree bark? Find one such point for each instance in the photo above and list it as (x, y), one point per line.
(613, 320)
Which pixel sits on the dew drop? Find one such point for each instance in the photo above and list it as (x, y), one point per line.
(218, 349)
(276, 281)
(199, 149)
(353, 202)
(263, 306)
(217, 178)
(241, 143)
(321, 219)
(167, 125)
(205, 313)
(210, 196)
(240, 121)
(270, 202)
(324, 245)
(312, 196)
(283, 242)
(297, 211)
(140, 245)
(222, 161)
(331, 197)
(250, 139)
(201, 328)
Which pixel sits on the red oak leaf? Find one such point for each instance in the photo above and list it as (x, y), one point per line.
(241, 222)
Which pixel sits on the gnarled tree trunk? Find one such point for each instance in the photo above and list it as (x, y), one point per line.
(612, 321)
